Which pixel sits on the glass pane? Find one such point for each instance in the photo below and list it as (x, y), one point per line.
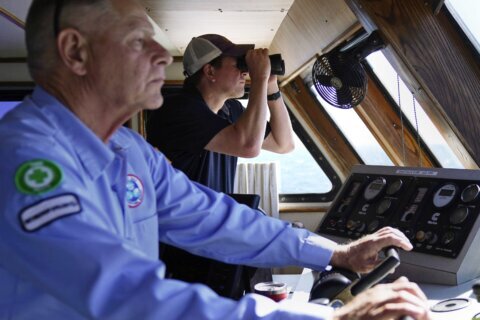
(299, 172)
(417, 116)
(357, 133)
(466, 14)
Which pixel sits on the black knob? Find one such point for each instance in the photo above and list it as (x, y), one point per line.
(352, 225)
(476, 289)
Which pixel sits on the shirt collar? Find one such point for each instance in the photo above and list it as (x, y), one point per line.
(194, 92)
(94, 154)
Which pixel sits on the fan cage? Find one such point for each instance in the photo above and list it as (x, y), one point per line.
(343, 84)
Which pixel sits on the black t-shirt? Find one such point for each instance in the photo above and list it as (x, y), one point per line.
(181, 129)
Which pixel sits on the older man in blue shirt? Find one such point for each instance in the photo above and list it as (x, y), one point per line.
(85, 200)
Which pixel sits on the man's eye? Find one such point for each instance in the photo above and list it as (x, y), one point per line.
(138, 42)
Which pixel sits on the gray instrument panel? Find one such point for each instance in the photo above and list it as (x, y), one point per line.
(437, 210)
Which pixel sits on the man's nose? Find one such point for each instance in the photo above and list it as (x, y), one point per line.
(161, 54)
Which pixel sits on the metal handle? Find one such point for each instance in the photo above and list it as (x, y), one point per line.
(391, 261)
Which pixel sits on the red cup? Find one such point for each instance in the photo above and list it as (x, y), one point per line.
(276, 291)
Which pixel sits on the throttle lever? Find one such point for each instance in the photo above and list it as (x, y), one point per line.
(390, 262)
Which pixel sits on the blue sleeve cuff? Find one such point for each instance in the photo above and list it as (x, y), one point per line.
(316, 252)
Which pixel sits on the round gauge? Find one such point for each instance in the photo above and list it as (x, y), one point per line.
(383, 206)
(394, 187)
(361, 227)
(373, 225)
(470, 193)
(431, 237)
(374, 188)
(459, 215)
(445, 195)
(448, 238)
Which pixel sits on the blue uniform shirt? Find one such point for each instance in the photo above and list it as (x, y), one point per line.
(80, 222)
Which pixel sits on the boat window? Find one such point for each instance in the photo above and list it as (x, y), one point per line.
(356, 132)
(413, 111)
(299, 171)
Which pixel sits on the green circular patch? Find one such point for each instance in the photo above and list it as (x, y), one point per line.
(38, 176)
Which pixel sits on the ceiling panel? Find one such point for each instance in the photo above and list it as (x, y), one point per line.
(248, 21)
(240, 21)
(310, 26)
(216, 5)
(238, 27)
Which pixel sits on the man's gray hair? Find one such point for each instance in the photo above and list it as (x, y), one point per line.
(39, 28)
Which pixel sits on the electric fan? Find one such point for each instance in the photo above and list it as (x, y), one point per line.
(339, 76)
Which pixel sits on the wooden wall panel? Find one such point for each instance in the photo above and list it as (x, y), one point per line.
(435, 61)
(309, 27)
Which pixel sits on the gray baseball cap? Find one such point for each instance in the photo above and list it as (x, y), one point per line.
(203, 49)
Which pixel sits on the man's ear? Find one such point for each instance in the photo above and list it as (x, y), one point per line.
(73, 51)
(209, 71)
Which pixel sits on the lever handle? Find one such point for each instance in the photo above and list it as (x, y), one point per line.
(391, 261)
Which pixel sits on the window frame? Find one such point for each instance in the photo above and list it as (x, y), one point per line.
(322, 162)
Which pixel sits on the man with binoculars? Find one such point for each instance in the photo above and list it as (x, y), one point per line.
(204, 129)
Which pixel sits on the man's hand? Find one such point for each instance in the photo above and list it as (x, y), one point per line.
(362, 255)
(258, 64)
(387, 301)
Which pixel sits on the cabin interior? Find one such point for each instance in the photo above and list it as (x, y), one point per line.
(420, 107)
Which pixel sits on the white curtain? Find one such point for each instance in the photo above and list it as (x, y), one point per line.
(261, 179)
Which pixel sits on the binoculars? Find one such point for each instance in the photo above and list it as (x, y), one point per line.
(276, 62)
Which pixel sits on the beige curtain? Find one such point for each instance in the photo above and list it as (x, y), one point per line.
(261, 179)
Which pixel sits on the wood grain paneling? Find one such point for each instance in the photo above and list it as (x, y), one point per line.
(434, 60)
(309, 27)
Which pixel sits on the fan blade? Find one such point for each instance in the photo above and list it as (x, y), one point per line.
(355, 77)
(323, 79)
(344, 97)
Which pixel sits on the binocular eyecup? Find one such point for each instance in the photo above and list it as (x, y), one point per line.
(276, 63)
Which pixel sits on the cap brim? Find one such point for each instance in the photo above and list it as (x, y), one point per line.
(238, 50)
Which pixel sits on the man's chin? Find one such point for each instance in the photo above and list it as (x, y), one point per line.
(240, 94)
(153, 104)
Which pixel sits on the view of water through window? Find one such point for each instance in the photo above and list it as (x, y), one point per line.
(298, 172)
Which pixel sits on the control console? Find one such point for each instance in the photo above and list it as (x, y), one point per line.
(436, 208)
